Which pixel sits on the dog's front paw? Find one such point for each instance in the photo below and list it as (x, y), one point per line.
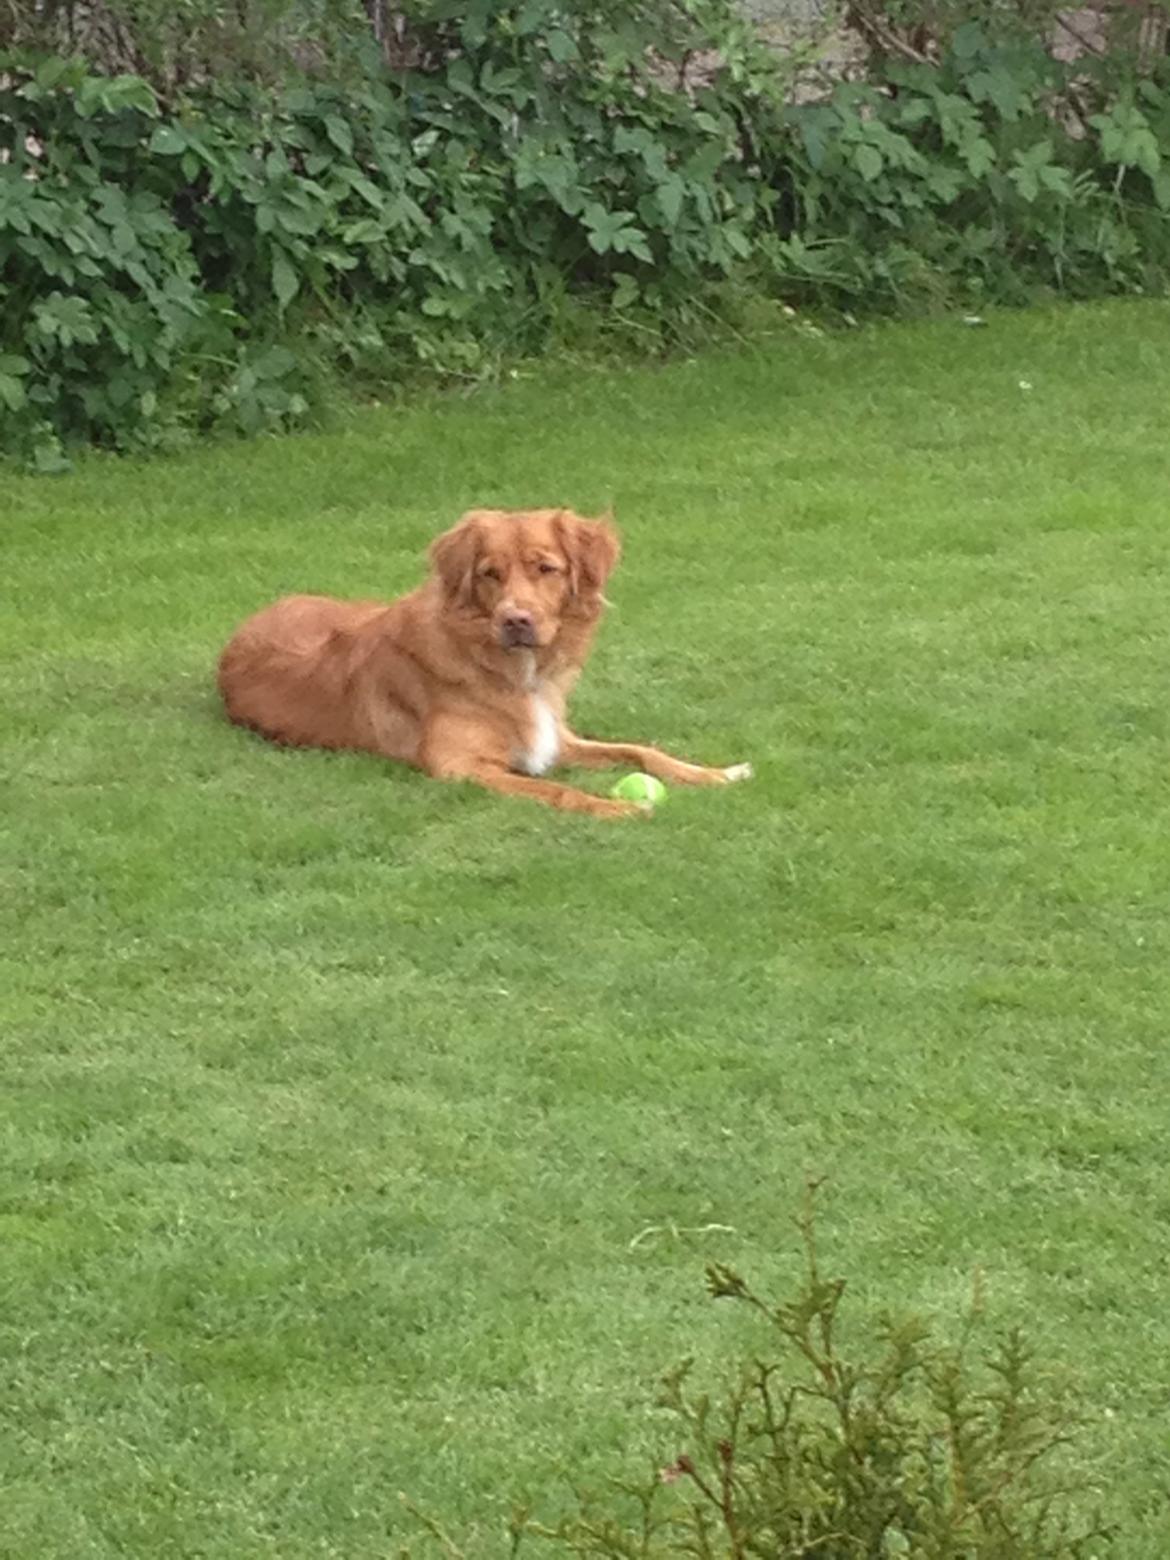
(738, 772)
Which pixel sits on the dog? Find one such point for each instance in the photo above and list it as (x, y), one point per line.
(467, 677)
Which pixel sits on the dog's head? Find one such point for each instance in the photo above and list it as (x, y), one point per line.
(521, 573)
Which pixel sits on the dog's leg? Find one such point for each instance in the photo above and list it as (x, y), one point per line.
(463, 748)
(674, 771)
(497, 778)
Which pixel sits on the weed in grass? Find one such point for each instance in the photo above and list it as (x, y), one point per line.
(943, 1451)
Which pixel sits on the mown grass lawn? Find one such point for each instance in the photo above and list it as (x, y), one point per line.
(334, 1097)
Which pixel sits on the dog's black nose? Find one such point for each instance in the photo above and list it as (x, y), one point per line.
(518, 628)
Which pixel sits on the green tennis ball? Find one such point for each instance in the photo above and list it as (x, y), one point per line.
(640, 788)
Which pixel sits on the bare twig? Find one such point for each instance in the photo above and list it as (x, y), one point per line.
(876, 33)
(1082, 42)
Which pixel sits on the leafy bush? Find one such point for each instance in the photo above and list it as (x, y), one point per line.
(437, 218)
(993, 174)
(109, 334)
(918, 1448)
(99, 287)
(178, 258)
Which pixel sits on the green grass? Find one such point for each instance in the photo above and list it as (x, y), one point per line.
(334, 1097)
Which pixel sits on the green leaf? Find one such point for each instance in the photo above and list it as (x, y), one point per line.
(997, 86)
(533, 13)
(1035, 156)
(1058, 180)
(738, 242)
(120, 389)
(968, 41)
(364, 187)
(304, 223)
(274, 364)
(12, 392)
(979, 155)
(10, 363)
(69, 320)
(366, 230)
(50, 460)
(285, 281)
(459, 76)
(1142, 151)
(670, 199)
(912, 111)
(561, 46)
(625, 290)
(129, 92)
(497, 80)
(1026, 181)
(944, 183)
(167, 141)
(50, 71)
(815, 126)
(868, 161)
(339, 133)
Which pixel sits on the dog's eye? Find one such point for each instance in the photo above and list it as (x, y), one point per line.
(546, 568)
(490, 574)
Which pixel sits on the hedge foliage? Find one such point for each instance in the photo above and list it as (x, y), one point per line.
(184, 254)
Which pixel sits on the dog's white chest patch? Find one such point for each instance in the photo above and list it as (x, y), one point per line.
(544, 744)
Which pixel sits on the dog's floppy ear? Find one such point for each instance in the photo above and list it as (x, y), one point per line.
(453, 557)
(592, 547)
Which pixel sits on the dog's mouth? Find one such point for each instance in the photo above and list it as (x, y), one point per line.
(519, 636)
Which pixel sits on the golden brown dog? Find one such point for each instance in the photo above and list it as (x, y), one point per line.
(466, 677)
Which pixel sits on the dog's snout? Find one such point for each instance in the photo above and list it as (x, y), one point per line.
(518, 628)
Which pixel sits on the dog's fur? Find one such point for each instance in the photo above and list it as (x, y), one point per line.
(466, 677)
